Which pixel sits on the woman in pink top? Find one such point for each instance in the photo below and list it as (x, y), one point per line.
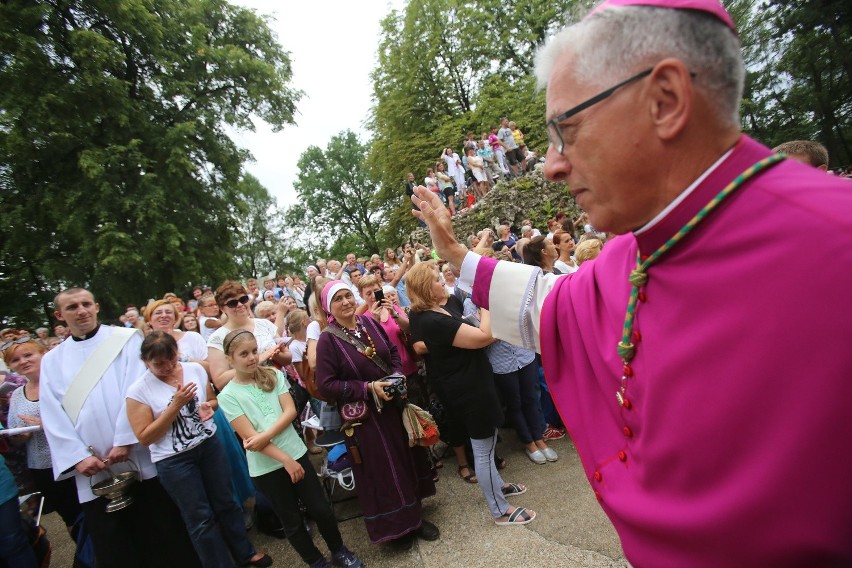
(394, 321)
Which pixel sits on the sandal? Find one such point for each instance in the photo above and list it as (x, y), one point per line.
(519, 516)
(511, 489)
(470, 477)
(500, 462)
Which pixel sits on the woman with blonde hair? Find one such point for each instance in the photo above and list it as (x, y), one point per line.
(258, 404)
(23, 356)
(162, 315)
(459, 372)
(391, 260)
(588, 250)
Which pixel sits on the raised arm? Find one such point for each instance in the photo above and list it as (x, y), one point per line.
(519, 290)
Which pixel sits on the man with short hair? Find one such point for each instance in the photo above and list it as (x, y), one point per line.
(352, 263)
(806, 151)
(705, 408)
(149, 532)
(355, 277)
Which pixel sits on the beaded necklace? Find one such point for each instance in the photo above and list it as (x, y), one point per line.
(639, 275)
(368, 352)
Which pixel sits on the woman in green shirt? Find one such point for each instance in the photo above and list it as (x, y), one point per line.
(258, 404)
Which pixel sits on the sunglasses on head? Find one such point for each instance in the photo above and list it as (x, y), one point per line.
(18, 341)
(237, 301)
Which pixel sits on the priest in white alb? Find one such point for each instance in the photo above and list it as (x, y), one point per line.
(83, 385)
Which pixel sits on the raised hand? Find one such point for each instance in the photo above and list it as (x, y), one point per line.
(184, 394)
(438, 219)
(269, 353)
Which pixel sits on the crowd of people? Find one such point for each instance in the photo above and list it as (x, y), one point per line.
(216, 386)
(461, 181)
(704, 408)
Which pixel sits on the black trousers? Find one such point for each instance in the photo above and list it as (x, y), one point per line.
(59, 496)
(150, 532)
(285, 496)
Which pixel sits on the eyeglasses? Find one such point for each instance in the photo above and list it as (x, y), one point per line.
(237, 301)
(18, 341)
(554, 132)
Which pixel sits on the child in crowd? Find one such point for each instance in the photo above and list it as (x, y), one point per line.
(259, 407)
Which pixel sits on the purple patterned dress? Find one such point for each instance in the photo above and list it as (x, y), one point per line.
(392, 478)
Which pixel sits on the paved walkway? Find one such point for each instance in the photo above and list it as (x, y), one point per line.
(570, 530)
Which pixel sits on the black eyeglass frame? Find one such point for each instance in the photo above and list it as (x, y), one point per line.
(554, 133)
(234, 302)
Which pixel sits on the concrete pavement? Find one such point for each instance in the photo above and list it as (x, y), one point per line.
(570, 529)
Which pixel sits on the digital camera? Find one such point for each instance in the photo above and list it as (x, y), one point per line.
(397, 389)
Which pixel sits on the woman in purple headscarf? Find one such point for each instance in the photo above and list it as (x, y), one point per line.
(391, 477)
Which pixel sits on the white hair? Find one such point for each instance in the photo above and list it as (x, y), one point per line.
(613, 44)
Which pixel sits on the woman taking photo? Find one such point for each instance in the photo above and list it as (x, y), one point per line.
(394, 321)
(234, 301)
(459, 372)
(23, 356)
(392, 478)
(170, 410)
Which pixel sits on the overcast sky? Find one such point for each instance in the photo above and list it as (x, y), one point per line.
(332, 47)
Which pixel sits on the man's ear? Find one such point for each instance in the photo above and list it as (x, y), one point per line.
(671, 97)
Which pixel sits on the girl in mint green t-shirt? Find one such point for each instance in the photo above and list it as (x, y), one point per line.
(258, 405)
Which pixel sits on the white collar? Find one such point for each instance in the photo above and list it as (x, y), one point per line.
(684, 194)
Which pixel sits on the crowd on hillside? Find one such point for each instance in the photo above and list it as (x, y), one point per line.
(460, 181)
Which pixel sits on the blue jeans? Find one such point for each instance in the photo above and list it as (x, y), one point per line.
(199, 482)
(15, 549)
(521, 394)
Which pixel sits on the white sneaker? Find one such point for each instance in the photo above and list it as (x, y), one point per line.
(537, 457)
(549, 454)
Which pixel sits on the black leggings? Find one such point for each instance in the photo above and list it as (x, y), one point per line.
(285, 496)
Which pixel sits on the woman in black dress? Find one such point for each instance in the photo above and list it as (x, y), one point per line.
(458, 369)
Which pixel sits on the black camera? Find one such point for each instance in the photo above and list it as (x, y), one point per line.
(397, 389)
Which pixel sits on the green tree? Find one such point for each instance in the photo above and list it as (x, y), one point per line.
(259, 245)
(116, 169)
(448, 67)
(337, 195)
(799, 86)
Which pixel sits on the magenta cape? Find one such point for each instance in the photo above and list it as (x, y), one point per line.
(735, 449)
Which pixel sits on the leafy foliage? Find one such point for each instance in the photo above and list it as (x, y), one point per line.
(337, 196)
(116, 170)
(799, 85)
(446, 68)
